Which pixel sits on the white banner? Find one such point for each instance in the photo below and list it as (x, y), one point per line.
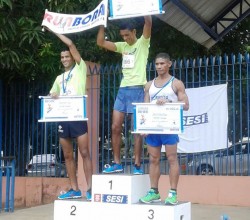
(134, 8)
(205, 123)
(71, 23)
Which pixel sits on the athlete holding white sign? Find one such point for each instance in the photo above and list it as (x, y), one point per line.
(134, 60)
(163, 89)
(70, 83)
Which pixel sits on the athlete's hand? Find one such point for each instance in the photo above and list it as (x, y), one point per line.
(162, 101)
(144, 135)
(54, 95)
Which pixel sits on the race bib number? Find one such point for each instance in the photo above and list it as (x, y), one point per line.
(128, 61)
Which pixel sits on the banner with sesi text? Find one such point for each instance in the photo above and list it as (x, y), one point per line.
(205, 123)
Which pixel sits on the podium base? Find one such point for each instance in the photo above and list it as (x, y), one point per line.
(81, 209)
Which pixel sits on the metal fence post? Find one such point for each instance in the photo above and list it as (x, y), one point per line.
(1, 181)
(9, 170)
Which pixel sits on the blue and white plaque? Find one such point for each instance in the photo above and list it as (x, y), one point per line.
(63, 108)
(158, 119)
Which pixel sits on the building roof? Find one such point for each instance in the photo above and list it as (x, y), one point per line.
(205, 21)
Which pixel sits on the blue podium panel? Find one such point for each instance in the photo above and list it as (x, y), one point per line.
(80, 210)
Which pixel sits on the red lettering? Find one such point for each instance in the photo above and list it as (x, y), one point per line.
(48, 17)
(69, 21)
(55, 22)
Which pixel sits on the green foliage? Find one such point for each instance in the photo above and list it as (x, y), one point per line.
(167, 39)
(10, 56)
(237, 40)
(30, 32)
(248, 49)
(6, 3)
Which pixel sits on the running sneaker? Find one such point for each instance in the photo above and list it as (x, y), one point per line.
(137, 171)
(172, 198)
(71, 194)
(151, 197)
(114, 168)
(88, 195)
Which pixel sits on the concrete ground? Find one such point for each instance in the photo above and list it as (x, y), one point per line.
(198, 212)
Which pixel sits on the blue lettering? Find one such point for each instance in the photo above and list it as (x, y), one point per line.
(113, 199)
(108, 198)
(189, 120)
(122, 199)
(101, 10)
(88, 18)
(94, 15)
(195, 119)
(119, 199)
(205, 118)
(77, 21)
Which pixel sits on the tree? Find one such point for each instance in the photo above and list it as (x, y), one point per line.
(236, 41)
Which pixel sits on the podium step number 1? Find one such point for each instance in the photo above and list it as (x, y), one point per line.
(119, 188)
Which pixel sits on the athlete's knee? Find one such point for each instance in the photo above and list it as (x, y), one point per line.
(172, 159)
(68, 156)
(85, 153)
(116, 128)
(154, 160)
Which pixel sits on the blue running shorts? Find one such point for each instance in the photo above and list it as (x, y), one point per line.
(126, 96)
(157, 140)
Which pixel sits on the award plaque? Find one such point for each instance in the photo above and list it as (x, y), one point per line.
(64, 108)
(158, 119)
(134, 8)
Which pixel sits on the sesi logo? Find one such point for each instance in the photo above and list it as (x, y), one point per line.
(195, 119)
(121, 199)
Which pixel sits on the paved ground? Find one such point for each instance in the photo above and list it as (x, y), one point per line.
(199, 212)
